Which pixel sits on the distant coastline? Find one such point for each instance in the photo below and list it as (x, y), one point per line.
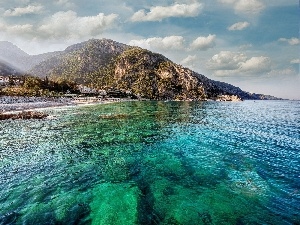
(17, 104)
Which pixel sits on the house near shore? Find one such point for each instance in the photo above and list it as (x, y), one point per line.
(231, 98)
(86, 90)
(4, 80)
(11, 80)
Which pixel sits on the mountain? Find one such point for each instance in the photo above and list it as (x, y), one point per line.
(7, 70)
(19, 59)
(106, 64)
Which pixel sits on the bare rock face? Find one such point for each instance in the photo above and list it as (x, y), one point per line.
(23, 115)
(154, 76)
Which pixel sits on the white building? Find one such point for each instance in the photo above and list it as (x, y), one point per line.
(4, 80)
(86, 90)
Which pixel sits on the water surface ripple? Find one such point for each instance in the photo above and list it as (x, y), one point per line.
(153, 163)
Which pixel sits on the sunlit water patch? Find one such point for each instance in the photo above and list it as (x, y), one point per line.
(153, 163)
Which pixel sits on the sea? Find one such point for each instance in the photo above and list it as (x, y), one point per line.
(153, 162)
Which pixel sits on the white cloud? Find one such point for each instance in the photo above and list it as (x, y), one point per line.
(295, 61)
(166, 43)
(30, 9)
(69, 25)
(228, 63)
(159, 13)
(245, 6)
(249, 6)
(62, 25)
(227, 1)
(239, 26)
(65, 3)
(285, 72)
(175, 43)
(189, 61)
(256, 65)
(291, 41)
(226, 60)
(245, 47)
(204, 43)
(24, 29)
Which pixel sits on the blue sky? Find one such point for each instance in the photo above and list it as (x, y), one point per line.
(253, 44)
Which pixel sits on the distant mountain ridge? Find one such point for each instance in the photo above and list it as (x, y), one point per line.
(8, 70)
(19, 59)
(107, 64)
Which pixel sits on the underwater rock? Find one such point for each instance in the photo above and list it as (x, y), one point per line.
(113, 116)
(9, 218)
(23, 115)
(114, 204)
(77, 214)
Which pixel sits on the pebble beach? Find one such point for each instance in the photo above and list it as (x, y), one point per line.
(13, 103)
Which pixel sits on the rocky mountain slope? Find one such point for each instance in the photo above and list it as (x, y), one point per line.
(106, 64)
(19, 59)
(7, 70)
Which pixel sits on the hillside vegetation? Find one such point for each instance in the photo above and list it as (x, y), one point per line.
(106, 64)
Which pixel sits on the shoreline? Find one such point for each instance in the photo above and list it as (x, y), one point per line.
(12, 104)
(21, 106)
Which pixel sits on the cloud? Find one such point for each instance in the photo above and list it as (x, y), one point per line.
(24, 29)
(283, 73)
(166, 43)
(295, 61)
(256, 65)
(30, 9)
(228, 1)
(61, 25)
(291, 41)
(228, 63)
(245, 6)
(239, 26)
(189, 61)
(69, 25)
(249, 6)
(204, 43)
(226, 60)
(159, 13)
(65, 3)
(175, 43)
(245, 46)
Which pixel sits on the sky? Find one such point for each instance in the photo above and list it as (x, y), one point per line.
(252, 44)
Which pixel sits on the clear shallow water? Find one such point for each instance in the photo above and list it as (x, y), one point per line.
(154, 163)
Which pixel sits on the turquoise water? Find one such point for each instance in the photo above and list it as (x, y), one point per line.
(153, 163)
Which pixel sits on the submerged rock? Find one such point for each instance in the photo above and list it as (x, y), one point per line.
(113, 116)
(23, 115)
(114, 204)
